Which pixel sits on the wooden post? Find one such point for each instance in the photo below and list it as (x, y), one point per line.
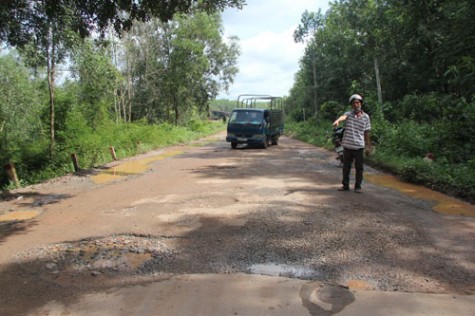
(74, 157)
(111, 148)
(11, 171)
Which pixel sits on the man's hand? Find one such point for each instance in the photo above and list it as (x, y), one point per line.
(367, 140)
(368, 150)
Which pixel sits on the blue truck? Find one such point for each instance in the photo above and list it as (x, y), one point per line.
(258, 120)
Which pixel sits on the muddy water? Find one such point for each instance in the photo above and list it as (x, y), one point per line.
(18, 216)
(442, 203)
(129, 168)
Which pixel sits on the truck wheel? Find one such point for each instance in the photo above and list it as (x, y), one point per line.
(265, 143)
(233, 145)
(275, 140)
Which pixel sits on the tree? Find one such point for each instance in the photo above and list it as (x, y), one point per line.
(97, 79)
(199, 63)
(310, 24)
(19, 107)
(141, 62)
(41, 33)
(178, 66)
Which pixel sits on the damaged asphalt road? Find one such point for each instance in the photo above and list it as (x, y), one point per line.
(205, 209)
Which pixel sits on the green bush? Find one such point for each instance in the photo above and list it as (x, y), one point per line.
(455, 179)
(312, 131)
(409, 139)
(420, 108)
(416, 171)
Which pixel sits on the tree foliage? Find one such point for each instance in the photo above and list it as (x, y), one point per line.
(408, 49)
(20, 107)
(17, 17)
(420, 46)
(97, 78)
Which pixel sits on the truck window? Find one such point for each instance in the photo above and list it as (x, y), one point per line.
(246, 117)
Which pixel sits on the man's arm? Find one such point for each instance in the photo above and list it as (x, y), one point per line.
(340, 119)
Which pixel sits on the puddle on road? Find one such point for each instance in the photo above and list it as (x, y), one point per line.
(444, 204)
(129, 168)
(359, 284)
(283, 270)
(18, 216)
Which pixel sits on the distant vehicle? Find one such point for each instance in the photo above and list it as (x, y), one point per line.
(218, 115)
(258, 120)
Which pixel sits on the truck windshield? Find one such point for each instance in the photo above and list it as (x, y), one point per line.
(246, 117)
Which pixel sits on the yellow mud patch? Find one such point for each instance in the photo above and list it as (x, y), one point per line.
(359, 285)
(18, 216)
(136, 260)
(443, 203)
(129, 168)
(132, 260)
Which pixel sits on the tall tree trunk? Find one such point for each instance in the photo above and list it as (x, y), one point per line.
(117, 92)
(177, 111)
(51, 70)
(314, 66)
(116, 104)
(127, 105)
(378, 80)
(129, 98)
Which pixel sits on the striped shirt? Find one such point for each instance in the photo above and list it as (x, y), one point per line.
(355, 126)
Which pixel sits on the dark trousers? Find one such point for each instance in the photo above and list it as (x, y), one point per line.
(348, 156)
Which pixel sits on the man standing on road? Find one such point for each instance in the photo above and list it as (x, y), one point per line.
(355, 140)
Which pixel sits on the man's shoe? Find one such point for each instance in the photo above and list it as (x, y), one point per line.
(358, 190)
(344, 189)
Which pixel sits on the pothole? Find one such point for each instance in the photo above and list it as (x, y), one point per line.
(18, 216)
(121, 256)
(109, 256)
(130, 168)
(284, 270)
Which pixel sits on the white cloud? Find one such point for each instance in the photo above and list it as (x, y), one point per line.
(269, 56)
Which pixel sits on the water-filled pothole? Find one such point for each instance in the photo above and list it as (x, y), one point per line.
(129, 168)
(284, 270)
(18, 216)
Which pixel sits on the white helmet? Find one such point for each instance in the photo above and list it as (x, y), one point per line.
(356, 97)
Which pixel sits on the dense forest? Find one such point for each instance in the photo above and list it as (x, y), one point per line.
(80, 76)
(414, 62)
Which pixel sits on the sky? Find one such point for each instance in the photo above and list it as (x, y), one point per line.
(269, 56)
